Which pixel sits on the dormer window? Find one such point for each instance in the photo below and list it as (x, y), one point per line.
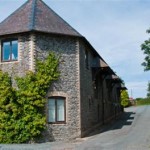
(9, 50)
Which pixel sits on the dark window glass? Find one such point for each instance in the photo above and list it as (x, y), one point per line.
(6, 51)
(56, 110)
(14, 50)
(10, 50)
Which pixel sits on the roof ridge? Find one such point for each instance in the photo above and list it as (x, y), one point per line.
(32, 17)
(60, 17)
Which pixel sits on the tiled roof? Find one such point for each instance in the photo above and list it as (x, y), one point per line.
(35, 15)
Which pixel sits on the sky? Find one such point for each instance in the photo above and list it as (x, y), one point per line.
(115, 28)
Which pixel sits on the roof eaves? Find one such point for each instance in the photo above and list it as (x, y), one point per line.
(17, 32)
(88, 43)
(54, 33)
(35, 30)
(96, 53)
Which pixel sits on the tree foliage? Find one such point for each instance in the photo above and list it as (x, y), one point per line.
(148, 91)
(143, 101)
(22, 109)
(146, 50)
(124, 98)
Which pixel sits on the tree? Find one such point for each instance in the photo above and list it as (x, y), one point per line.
(124, 98)
(148, 90)
(145, 47)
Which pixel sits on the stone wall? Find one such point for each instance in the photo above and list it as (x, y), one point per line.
(97, 107)
(99, 97)
(67, 85)
(84, 109)
(18, 68)
(36, 45)
(112, 105)
(89, 114)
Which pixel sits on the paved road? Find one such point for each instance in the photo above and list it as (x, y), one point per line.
(130, 132)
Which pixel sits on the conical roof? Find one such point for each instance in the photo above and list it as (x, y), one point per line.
(35, 15)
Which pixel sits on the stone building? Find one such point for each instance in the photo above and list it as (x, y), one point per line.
(87, 92)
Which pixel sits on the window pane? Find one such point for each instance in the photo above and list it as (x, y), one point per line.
(51, 110)
(60, 110)
(15, 50)
(6, 51)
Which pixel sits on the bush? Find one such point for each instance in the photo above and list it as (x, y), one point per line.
(124, 98)
(22, 109)
(144, 101)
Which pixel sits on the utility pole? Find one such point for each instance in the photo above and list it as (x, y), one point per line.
(131, 93)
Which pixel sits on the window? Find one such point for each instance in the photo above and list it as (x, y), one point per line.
(9, 50)
(86, 59)
(56, 110)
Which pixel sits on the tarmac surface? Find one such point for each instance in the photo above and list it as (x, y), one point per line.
(129, 132)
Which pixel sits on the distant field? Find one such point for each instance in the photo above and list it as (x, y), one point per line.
(143, 102)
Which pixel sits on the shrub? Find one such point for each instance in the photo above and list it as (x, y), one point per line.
(144, 101)
(22, 109)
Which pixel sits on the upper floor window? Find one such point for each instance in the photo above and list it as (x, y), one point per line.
(86, 59)
(9, 50)
(56, 110)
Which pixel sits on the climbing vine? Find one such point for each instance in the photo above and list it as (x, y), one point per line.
(22, 109)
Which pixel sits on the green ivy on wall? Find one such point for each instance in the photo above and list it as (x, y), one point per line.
(22, 109)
